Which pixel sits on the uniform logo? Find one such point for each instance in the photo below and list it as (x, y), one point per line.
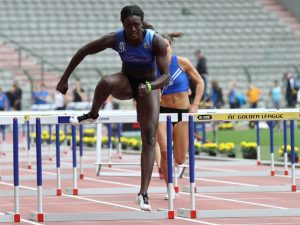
(122, 47)
(146, 45)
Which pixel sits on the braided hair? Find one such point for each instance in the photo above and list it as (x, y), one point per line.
(131, 10)
(171, 37)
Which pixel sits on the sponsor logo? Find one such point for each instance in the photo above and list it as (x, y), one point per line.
(203, 117)
(122, 47)
(103, 119)
(146, 45)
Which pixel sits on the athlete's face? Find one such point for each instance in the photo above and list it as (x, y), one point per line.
(133, 27)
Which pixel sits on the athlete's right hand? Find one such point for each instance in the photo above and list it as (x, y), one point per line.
(62, 86)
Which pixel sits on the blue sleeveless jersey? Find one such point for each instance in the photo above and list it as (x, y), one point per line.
(179, 81)
(141, 55)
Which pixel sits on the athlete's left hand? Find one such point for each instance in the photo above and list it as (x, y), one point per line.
(193, 108)
(142, 90)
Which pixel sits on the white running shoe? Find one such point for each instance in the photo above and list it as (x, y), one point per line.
(166, 197)
(85, 118)
(143, 201)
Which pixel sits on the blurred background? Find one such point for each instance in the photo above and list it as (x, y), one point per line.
(249, 49)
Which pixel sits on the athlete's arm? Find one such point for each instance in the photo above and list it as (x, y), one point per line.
(107, 41)
(187, 66)
(160, 51)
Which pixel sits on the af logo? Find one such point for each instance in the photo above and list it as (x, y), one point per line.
(146, 45)
(122, 47)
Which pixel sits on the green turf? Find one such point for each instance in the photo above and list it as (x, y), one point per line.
(249, 135)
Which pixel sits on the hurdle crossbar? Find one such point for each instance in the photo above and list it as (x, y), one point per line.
(40, 216)
(238, 115)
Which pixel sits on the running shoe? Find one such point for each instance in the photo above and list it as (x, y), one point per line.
(85, 118)
(143, 201)
(166, 197)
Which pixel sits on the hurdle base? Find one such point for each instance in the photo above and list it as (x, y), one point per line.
(81, 176)
(114, 191)
(99, 216)
(171, 214)
(29, 167)
(187, 213)
(9, 217)
(286, 173)
(17, 217)
(58, 192)
(258, 163)
(75, 191)
(294, 188)
(176, 189)
(231, 189)
(272, 173)
(240, 213)
(38, 217)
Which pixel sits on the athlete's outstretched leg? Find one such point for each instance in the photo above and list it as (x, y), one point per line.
(116, 85)
(148, 115)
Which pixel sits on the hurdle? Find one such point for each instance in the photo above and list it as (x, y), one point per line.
(40, 216)
(217, 115)
(99, 162)
(15, 215)
(243, 115)
(116, 117)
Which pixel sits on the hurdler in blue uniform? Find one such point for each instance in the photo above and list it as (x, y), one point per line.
(175, 99)
(136, 56)
(140, 48)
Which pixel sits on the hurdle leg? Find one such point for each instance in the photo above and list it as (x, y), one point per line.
(75, 186)
(203, 133)
(58, 174)
(191, 213)
(50, 143)
(28, 145)
(119, 141)
(171, 213)
(24, 137)
(98, 148)
(286, 172)
(258, 162)
(65, 139)
(81, 176)
(272, 147)
(3, 140)
(109, 127)
(176, 187)
(16, 171)
(292, 130)
(39, 215)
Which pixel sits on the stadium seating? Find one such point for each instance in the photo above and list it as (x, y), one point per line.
(233, 34)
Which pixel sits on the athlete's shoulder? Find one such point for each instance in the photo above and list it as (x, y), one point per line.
(158, 44)
(183, 62)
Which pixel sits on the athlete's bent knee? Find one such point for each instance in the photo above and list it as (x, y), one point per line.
(179, 160)
(106, 81)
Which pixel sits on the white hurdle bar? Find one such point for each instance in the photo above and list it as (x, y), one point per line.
(15, 121)
(40, 216)
(114, 117)
(237, 115)
(118, 117)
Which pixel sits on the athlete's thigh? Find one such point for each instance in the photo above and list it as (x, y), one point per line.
(148, 113)
(120, 86)
(180, 139)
